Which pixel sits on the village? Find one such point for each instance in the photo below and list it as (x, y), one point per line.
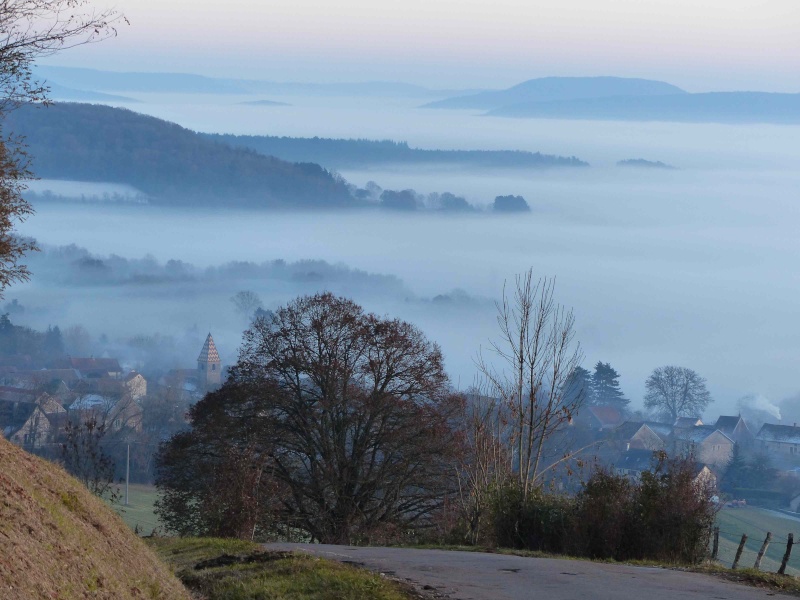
(38, 401)
(759, 464)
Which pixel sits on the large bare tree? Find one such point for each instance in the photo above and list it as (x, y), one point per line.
(676, 392)
(30, 30)
(527, 376)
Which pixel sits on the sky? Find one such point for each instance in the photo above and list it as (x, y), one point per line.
(701, 45)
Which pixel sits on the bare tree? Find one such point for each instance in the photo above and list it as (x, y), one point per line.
(29, 30)
(84, 457)
(537, 356)
(676, 392)
(247, 303)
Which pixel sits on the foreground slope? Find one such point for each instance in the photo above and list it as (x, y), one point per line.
(58, 541)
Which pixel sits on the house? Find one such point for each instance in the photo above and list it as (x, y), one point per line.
(781, 440)
(92, 368)
(114, 413)
(634, 435)
(735, 428)
(600, 418)
(33, 424)
(687, 422)
(707, 444)
(132, 385)
(634, 462)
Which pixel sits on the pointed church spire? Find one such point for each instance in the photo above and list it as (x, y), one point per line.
(209, 365)
(209, 352)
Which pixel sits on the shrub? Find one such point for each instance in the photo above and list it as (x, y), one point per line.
(667, 516)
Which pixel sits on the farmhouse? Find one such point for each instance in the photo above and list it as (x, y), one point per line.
(779, 439)
(707, 444)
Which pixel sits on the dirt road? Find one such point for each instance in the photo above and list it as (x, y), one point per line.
(480, 576)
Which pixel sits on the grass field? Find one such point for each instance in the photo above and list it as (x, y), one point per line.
(756, 522)
(140, 507)
(239, 570)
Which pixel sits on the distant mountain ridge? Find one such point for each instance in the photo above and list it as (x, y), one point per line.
(549, 89)
(712, 107)
(88, 142)
(149, 82)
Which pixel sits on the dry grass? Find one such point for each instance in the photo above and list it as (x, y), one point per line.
(58, 541)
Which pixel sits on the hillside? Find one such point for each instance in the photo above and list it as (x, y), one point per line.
(173, 165)
(59, 541)
(713, 107)
(340, 153)
(552, 89)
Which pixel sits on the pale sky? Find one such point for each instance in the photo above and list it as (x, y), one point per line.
(698, 44)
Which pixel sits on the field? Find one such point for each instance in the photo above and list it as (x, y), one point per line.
(139, 511)
(756, 522)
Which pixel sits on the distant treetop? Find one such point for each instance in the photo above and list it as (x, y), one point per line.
(510, 204)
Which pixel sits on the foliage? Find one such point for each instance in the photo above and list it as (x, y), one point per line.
(403, 200)
(30, 29)
(676, 392)
(340, 153)
(41, 346)
(13, 209)
(578, 387)
(510, 204)
(666, 516)
(213, 478)
(168, 162)
(605, 387)
(341, 416)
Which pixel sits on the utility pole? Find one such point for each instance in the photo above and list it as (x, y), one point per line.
(127, 473)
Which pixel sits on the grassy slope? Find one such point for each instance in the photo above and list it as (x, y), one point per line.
(58, 541)
(756, 522)
(262, 575)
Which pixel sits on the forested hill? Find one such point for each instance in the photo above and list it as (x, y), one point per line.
(171, 164)
(342, 153)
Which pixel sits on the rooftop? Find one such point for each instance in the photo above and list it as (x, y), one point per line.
(789, 434)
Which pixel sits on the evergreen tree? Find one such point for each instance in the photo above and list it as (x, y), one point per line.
(605, 387)
(737, 471)
(53, 343)
(578, 387)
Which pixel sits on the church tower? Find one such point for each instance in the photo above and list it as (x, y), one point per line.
(209, 366)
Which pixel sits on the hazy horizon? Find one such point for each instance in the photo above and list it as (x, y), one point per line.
(713, 45)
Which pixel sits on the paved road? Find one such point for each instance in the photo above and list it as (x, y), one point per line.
(479, 576)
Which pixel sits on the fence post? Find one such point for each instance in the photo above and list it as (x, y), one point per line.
(739, 551)
(789, 544)
(715, 547)
(761, 552)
